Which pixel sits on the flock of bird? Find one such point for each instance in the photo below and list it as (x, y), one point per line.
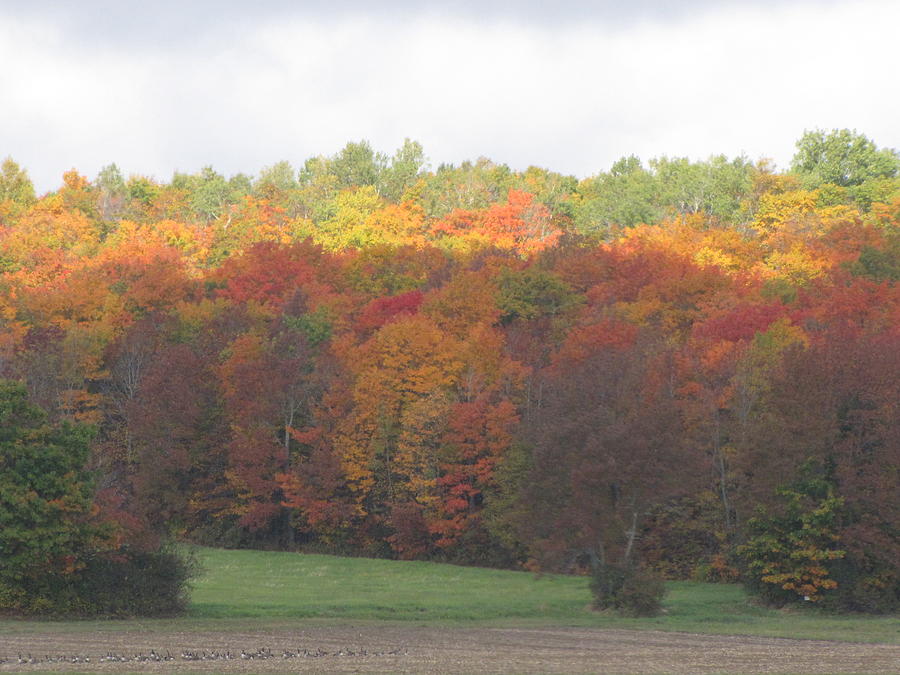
(154, 656)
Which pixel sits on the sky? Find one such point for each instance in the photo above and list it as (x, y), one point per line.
(164, 86)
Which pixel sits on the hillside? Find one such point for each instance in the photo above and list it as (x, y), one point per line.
(685, 368)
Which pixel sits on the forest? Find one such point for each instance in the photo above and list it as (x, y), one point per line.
(672, 369)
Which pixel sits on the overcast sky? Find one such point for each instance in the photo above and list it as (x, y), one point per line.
(572, 86)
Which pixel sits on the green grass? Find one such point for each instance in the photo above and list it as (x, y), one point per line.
(253, 584)
(282, 585)
(244, 589)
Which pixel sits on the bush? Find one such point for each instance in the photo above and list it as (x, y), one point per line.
(630, 590)
(862, 586)
(153, 583)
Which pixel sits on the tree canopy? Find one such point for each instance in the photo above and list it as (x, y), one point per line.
(471, 363)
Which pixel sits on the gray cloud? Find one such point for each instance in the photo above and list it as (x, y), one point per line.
(161, 23)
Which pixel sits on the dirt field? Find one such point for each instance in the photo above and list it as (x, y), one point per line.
(405, 649)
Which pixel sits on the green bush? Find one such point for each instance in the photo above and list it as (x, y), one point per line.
(629, 590)
(129, 584)
(154, 583)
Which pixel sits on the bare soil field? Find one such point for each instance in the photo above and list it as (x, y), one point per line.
(412, 649)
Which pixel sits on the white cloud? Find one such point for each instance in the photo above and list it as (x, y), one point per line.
(570, 97)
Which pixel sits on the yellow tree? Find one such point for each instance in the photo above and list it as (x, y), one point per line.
(404, 376)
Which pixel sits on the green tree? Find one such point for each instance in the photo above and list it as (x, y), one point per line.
(405, 169)
(112, 194)
(789, 552)
(15, 184)
(629, 194)
(46, 531)
(717, 186)
(142, 189)
(624, 196)
(533, 293)
(842, 157)
(469, 186)
(278, 185)
(318, 186)
(59, 552)
(275, 181)
(879, 264)
(209, 193)
(357, 165)
(16, 191)
(553, 190)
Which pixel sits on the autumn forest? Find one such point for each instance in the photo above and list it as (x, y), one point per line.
(686, 368)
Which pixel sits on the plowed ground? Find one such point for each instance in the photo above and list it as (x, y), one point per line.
(411, 649)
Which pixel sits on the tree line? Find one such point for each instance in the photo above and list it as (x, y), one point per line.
(680, 370)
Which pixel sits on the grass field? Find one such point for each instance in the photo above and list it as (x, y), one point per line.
(245, 584)
(266, 589)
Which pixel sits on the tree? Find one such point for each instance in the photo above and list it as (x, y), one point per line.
(111, 192)
(477, 438)
(269, 387)
(276, 181)
(209, 194)
(46, 533)
(389, 442)
(628, 194)
(531, 294)
(266, 273)
(357, 165)
(606, 450)
(521, 225)
(842, 157)
(788, 554)
(16, 189)
(716, 186)
(405, 169)
(625, 196)
(128, 359)
(880, 264)
(831, 405)
(142, 190)
(554, 190)
(344, 224)
(62, 552)
(177, 430)
(469, 186)
(277, 185)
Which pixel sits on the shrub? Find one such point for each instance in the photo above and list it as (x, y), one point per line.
(627, 589)
(143, 583)
(153, 583)
(862, 586)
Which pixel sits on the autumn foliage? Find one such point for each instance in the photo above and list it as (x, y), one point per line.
(480, 365)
